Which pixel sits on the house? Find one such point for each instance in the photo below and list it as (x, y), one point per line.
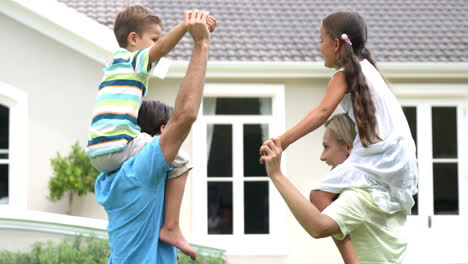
(265, 73)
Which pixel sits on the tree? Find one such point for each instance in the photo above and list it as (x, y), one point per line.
(73, 173)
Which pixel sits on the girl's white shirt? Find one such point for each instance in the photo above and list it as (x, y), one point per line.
(388, 168)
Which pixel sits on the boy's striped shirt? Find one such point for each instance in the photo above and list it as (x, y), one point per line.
(118, 100)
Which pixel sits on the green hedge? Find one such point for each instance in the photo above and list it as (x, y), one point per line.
(79, 250)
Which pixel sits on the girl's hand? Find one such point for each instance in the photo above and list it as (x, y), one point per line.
(270, 153)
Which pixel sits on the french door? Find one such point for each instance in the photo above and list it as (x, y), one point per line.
(437, 228)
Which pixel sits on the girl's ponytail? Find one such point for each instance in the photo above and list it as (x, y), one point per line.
(351, 29)
(366, 54)
(363, 106)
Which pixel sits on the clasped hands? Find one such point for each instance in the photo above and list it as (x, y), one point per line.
(270, 155)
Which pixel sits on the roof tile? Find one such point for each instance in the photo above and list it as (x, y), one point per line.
(288, 30)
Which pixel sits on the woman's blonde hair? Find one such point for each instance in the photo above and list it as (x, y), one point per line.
(343, 128)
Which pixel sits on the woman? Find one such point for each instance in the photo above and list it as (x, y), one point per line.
(376, 235)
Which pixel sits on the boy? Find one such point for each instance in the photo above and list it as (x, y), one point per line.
(114, 134)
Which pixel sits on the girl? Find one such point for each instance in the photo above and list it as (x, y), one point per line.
(383, 158)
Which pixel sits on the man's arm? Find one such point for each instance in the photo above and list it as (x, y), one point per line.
(190, 93)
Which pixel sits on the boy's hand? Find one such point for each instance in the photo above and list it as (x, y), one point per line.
(270, 153)
(196, 24)
(211, 22)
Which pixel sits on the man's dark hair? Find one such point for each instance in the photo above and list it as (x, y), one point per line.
(152, 115)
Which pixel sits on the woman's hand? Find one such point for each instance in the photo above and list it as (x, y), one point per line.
(270, 153)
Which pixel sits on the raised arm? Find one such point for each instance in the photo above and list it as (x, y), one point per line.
(170, 40)
(319, 115)
(163, 46)
(190, 92)
(318, 225)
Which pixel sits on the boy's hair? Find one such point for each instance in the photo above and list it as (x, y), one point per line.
(343, 128)
(152, 115)
(354, 26)
(133, 19)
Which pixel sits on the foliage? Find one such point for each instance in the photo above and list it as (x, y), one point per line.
(72, 173)
(202, 259)
(79, 250)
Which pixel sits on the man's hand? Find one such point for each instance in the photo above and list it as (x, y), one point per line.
(270, 153)
(196, 23)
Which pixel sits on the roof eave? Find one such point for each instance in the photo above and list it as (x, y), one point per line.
(316, 70)
(63, 24)
(97, 42)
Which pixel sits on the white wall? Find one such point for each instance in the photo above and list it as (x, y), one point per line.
(60, 85)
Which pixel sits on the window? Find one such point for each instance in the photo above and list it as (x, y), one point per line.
(4, 161)
(445, 160)
(410, 113)
(436, 129)
(234, 198)
(13, 146)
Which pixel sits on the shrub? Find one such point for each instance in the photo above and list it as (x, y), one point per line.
(80, 250)
(73, 173)
(76, 250)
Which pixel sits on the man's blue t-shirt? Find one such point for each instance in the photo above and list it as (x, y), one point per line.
(133, 198)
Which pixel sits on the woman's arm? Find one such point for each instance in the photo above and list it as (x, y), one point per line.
(318, 225)
(336, 90)
(322, 200)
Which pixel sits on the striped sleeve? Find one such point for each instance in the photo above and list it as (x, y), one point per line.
(140, 61)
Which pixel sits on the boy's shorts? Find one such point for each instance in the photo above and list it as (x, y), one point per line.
(112, 161)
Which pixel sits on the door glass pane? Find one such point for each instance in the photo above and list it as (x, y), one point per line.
(4, 184)
(4, 126)
(256, 208)
(254, 136)
(445, 188)
(415, 209)
(444, 132)
(219, 141)
(410, 113)
(237, 106)
(220, 208)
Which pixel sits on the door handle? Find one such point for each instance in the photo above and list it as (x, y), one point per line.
(429, 221)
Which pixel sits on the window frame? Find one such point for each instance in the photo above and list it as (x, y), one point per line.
(273, 243)
(17, 102)
(425, 151)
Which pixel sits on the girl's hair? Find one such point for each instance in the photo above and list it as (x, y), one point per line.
(353, 25)
(133, 19)
(152, 115)
(343, 128)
